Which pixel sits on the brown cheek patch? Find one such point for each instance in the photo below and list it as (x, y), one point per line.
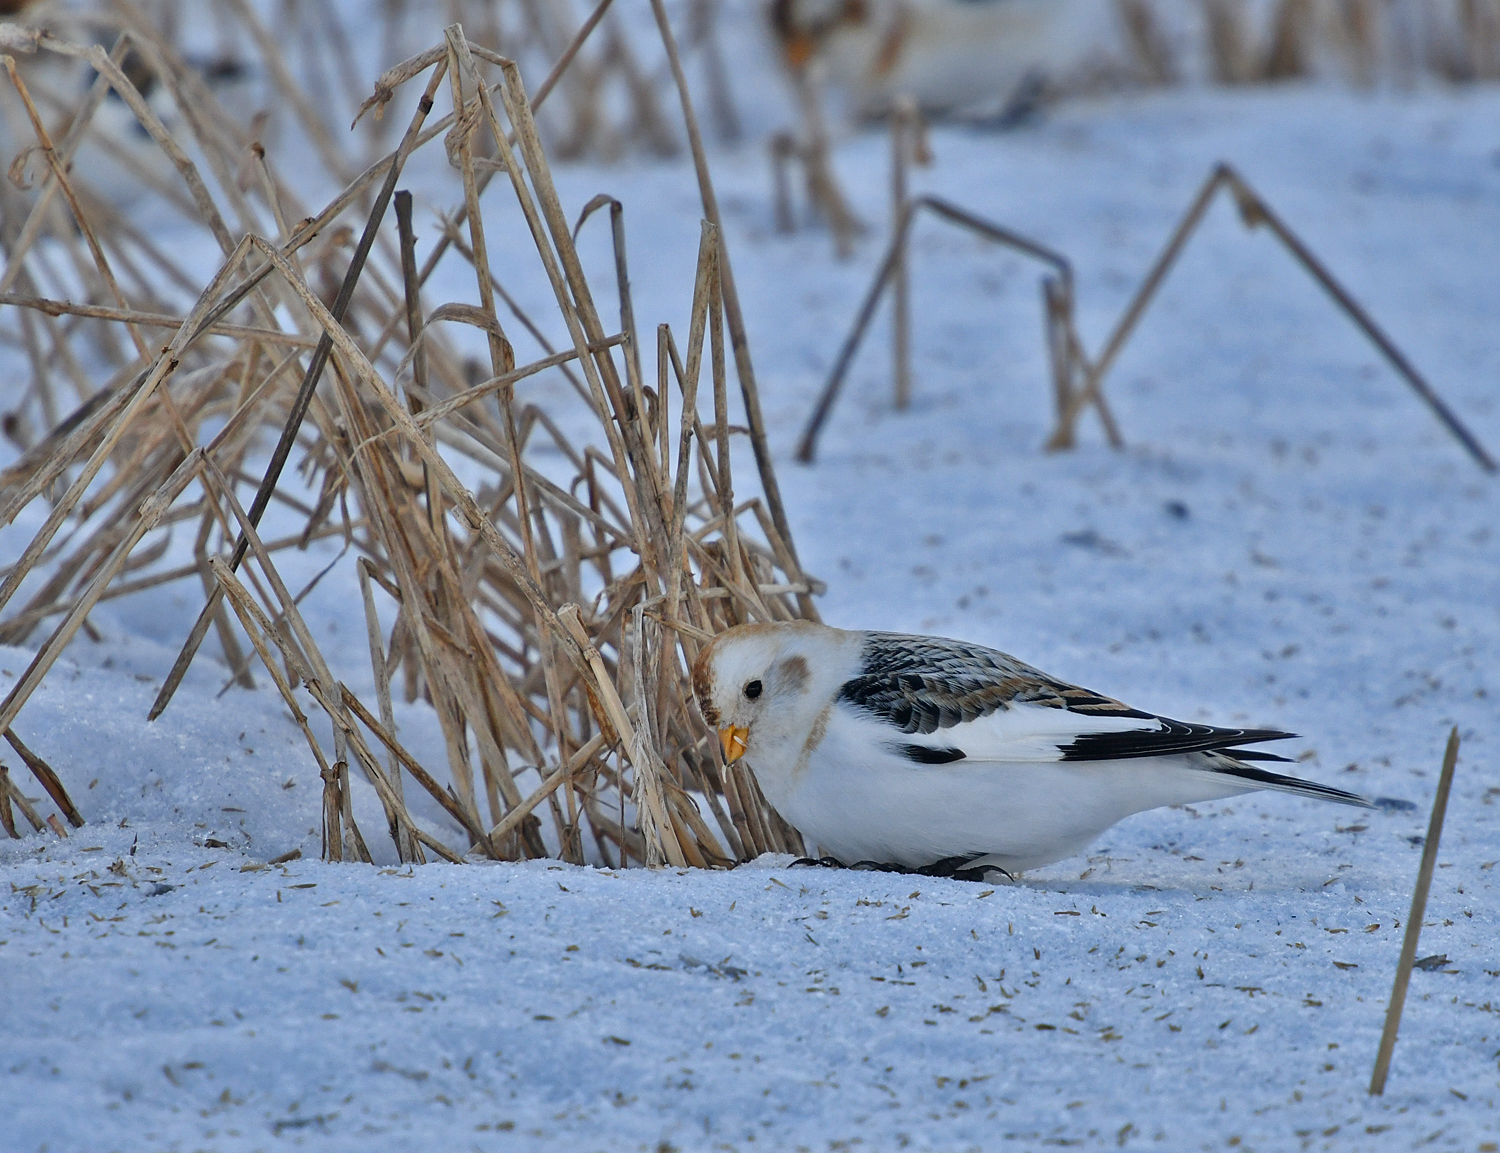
(794, 674)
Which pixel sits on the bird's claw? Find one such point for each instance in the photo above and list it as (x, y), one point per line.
(959, 869)
(952, 867)
(817, 862)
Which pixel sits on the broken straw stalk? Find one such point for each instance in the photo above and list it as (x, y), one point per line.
(1078, 381)
(481, 590)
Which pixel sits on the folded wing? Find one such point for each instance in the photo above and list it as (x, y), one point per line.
(952, 701)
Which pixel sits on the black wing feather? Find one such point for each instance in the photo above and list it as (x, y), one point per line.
(922, 755)
(919, 685)
(1172, 737)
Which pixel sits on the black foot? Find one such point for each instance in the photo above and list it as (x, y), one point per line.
(953, 867)
(860, 866)
(981, 874)
(959, 869)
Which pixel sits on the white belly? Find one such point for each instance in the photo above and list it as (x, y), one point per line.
(890, 810)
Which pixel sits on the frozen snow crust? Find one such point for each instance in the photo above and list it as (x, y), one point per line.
(1289, 540)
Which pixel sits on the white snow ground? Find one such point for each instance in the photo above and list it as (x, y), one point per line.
(1290, 539)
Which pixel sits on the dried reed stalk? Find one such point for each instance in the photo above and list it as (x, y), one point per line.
(1069, 359)
(1255, 212)
(906, 142)
(1149, 46)
(549, 615)
(1414, 919)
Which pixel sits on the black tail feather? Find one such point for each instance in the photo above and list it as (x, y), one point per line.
(1265, 779)
(1256, 755)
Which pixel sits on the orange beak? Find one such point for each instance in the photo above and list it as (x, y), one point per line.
(734, 740)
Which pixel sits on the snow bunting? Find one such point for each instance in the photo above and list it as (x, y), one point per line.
(941, 756)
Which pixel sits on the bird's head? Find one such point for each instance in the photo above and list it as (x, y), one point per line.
(802, 26)
(761, 686)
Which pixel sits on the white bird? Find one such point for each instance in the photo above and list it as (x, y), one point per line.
(946, 757)
(949, 54)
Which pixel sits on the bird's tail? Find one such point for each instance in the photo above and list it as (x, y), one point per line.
(1279, 782)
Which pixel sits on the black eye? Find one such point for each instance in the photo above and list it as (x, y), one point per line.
(752, 690)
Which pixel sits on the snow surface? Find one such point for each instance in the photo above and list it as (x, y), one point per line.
(1290, 539)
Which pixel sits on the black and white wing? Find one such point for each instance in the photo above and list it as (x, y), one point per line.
(942, 701)
(999, 708)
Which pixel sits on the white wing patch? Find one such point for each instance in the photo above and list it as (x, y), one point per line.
(1021, 733)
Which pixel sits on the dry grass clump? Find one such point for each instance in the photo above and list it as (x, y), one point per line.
(548, 613)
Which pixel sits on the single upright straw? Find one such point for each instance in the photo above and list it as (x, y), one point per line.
(1414, 919)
